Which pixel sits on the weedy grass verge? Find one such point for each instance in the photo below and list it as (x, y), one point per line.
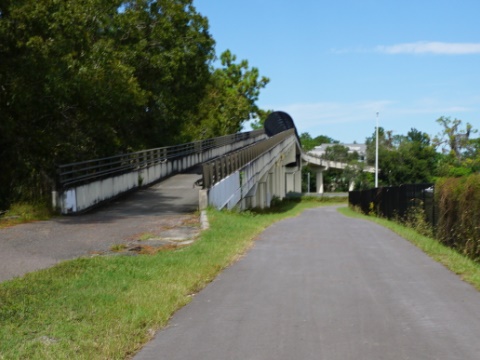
(107, 307)
(466, 268)
(20, 213)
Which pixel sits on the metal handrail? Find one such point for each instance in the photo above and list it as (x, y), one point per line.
(218, 169)
(91, 170)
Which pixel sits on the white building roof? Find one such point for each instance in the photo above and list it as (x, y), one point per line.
(361, 149)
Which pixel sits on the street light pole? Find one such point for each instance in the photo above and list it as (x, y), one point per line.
(376, 154)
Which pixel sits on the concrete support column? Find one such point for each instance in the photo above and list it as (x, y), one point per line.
(298, 181)
(274, 185)
(261, 195)
(248, 202)
(351, 185)
(289, 182)
(281, 181)
(320, 189)
(292, 180)
(268, 191)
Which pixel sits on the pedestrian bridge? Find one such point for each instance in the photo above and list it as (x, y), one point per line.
(242, 170)
(320, 165)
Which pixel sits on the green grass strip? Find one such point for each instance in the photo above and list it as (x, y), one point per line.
(107, 307)
(461, 265)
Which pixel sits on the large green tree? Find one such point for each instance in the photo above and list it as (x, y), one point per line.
(81, 79)
(403, 159)
(308, 143)
(54, 73)
(230, 100)
(168, 44)
(453, 139)
(459, 150)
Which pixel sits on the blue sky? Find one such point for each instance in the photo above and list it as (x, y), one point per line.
(334, 64)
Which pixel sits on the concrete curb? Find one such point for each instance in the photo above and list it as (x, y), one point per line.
(204, 220)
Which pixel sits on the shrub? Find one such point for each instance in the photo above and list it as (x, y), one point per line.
(416, 219)
(459, 213)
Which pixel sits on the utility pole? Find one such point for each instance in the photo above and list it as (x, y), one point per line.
(376, 154)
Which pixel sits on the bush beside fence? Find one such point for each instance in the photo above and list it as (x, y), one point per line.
(458, 202)
(451, 207)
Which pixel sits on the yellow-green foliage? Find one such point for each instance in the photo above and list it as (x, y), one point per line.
(459, 213)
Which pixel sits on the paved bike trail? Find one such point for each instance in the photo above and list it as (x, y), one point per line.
(324, 286)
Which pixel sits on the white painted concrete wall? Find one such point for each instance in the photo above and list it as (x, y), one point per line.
(226, 193)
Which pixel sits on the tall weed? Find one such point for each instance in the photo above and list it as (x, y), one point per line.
(459, 207)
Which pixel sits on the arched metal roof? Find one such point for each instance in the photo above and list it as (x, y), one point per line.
(278, 122)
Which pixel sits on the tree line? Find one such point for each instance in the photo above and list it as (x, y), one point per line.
(83, 79)
(404, 159)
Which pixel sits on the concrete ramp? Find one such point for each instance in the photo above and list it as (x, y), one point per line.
(166, 205)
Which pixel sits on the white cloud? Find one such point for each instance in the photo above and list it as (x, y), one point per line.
(424, 47)
(344, 121)
(419, 47)
(323, 113)
(354, 121)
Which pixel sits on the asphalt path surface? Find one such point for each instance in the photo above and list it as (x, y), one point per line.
(29, 247)
(324, 286)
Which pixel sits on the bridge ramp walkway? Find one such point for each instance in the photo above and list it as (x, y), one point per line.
(34, 246)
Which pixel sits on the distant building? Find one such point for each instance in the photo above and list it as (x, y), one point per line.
(361, 149)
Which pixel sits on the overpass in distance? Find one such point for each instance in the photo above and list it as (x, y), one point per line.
(320, 165)
(240, 170)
